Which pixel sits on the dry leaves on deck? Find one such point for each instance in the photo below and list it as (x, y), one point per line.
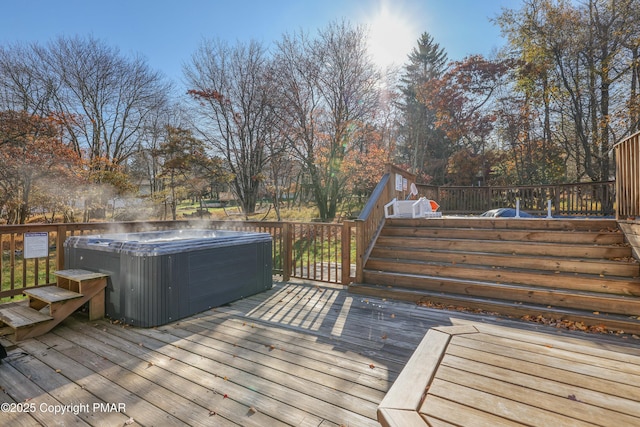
(549, 321)
(441, 306)
(567, 324)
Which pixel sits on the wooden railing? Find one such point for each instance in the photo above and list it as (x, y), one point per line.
(314, 251)
(325, 251)
(627, 154)
(581, 199)
(395, 183)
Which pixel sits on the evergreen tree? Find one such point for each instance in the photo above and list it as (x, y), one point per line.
(422, 147)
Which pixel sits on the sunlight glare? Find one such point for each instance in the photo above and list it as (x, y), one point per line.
(391, 36)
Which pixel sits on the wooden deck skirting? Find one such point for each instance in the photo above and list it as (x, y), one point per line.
(306, 354)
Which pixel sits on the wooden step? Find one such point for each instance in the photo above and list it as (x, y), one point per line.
(51, 294)
(20, 316)
(571, 265)
(613, 322)
(592, 283)
(574, 267)
(595, 224)
(548, 236)
(516, 248)
(583, 300)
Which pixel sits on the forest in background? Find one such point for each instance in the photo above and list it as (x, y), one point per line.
(310, 118)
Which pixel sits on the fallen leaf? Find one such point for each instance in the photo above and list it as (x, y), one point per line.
(384, 336)
(225, 396)
(58, 371)
(371, 365)
(149, 364)
(129, 422)
(252, 410)
(212, 413)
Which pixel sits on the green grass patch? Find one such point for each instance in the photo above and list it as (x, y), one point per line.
(24, 273)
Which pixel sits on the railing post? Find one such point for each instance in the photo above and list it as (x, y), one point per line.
(61, 236)
(346, 252)
(361, 246)
(287, 255)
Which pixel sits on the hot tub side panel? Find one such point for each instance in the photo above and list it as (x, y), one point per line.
(151, 293)
(222, 275)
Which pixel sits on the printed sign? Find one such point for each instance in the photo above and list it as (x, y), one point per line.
(399, 181)
(36, 245)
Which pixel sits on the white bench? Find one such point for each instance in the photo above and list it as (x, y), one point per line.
(420, 208)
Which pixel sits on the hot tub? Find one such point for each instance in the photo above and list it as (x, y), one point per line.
(162, 276)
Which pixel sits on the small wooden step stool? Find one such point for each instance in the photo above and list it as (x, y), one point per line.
(50, 305)
(83, 281)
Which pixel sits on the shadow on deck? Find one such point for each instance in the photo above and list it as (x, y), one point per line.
(299, 354)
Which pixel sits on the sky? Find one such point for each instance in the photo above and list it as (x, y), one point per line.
(168, 32)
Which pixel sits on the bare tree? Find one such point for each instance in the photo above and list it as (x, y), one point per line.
(327, 90)
(104, 97)
(145, 167)
(231, 86)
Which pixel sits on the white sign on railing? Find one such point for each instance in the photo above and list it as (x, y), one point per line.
(399, 182)
(36, 245)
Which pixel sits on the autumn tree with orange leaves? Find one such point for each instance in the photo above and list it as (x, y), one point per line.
(34, 162)
(464, 102)
(580, 71)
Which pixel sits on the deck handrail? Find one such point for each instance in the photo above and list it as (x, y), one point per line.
(314, 251)
(581, 198)
(368, 223)
(627, 154)
(396, 182)
(324, 251)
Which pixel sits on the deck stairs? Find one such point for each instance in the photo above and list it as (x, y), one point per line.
(576, 270)
(49, 305)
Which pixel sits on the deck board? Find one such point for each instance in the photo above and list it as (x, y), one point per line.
(305, 354)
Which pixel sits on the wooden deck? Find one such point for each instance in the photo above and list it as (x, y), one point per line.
(299, 354)
(478, 374)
